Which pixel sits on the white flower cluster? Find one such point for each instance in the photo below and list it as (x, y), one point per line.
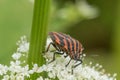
(15, 71)
(82, 8)
(54, 70)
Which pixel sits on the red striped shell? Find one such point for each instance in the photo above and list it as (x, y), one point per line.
(67, 44)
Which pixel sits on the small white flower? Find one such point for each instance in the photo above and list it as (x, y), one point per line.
(3, 69)
(6, 77)
(40, 78)
(25, 71)
(35, 68)
(51, 74)
(23, 45)
(47, 79)
(16, 56)
(12, 76)
(41, 69)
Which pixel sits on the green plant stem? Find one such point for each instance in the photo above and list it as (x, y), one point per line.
(116, 42)
(39, 31)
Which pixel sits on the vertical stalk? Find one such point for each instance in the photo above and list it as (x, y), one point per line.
(38, 33)
(116, 42)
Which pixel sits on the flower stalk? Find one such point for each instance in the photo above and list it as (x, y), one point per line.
(38, 32)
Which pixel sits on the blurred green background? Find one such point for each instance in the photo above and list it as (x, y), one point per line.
(95, 23)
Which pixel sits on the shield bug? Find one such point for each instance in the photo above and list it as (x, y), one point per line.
(66, 44)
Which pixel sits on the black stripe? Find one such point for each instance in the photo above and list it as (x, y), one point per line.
(68, 44)
(52, 36)
(79, 48)
(73, 51)
(61, 40)
(72, 44)
(77, 44)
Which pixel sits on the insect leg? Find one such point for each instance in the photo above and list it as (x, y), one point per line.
(68, 63)
(78, 63)
(51, 43)
(66, 55)
(54, 56)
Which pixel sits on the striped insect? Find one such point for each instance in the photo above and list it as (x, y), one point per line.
(65, 44)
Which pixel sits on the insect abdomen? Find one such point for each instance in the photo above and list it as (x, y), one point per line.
(66, 43)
